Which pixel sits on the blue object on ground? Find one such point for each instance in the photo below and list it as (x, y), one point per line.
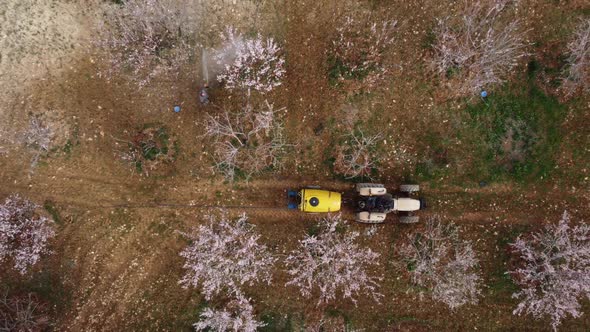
(292, 206)
(291, 193)
(484, 94)
(176, 109)
(204, 95)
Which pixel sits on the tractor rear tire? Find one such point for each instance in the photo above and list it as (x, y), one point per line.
(409, 188)
(409, 219)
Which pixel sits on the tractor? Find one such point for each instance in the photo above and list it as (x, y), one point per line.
(370, 202)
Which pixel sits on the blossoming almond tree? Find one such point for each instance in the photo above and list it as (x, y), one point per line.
(440, 262)
(147, 37)
(23, 234)
(224, 255)
(554, 272)
(238, 316)
(332, 262)
(250, 63)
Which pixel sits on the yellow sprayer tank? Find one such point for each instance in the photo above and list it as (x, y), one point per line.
(317, 200)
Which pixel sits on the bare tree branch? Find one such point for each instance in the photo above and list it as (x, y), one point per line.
(577, 74)
(21, 314)
(249, 141)
(356, 157)
(38, 138)
(224, 255)
(479, 49)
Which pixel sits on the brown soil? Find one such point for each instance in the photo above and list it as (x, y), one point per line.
(116, 253)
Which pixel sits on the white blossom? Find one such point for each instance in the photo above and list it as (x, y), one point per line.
(237, 316)
(554, 272)
(250, 64)
(147, 37)
(224, 255)
(332, 262)
(23, 234)
(440, 262)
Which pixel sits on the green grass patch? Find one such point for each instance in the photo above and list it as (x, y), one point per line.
(514, 135)
(187, 315)
(50, 207)
(71, 142)
(435, 158)
(49, 286)
(67, 149)
(151, 146)
(500, 285)
(429, 40)
(313, 229)
(165, 303)
(338, 70)
(277, 322)
(45, 284)
(160, 228)
(406, 319)
(156, 145)
(121, 218)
